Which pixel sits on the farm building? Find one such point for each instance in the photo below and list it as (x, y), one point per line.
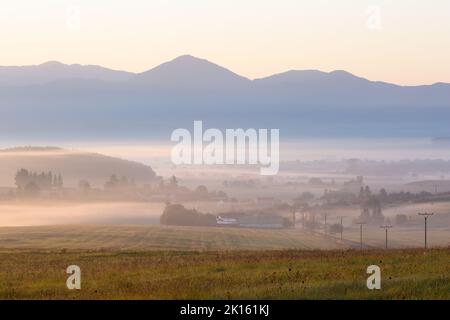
(226, 221)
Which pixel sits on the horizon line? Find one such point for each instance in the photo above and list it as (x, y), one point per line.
(216, 64)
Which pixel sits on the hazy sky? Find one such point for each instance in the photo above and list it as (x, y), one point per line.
(401, 41)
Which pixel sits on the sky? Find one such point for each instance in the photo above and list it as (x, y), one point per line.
(400, 41)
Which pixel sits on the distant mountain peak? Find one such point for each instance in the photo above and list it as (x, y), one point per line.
(52, 63)
(51, 71)
(342, 73)
(337, 78)
(186, 60)
(189, 71)
(188, 57)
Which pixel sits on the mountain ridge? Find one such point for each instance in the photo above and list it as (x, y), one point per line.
(98, 72)
(172, 95)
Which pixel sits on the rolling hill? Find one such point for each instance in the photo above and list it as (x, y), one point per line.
(73, 165)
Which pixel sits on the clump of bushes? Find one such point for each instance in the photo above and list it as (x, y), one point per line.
(178, 215)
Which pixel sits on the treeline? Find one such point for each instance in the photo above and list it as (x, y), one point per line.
(115, 183)
(27, 180)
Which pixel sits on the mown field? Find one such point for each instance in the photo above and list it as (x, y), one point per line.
(156, 262)
(288, 274)
(159, 238)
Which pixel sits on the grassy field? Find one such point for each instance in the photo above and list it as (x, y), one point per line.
(289, 274)
(156, 262)
(159, 238)
(398, 237)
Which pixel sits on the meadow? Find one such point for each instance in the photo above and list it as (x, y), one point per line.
(156, 237)
(157, 262)
(286, 274)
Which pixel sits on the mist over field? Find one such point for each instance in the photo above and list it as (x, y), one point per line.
(316, 177)
(65, 213)
(349, 147)
(92, 146)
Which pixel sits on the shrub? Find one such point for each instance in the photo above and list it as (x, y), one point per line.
(178, 215)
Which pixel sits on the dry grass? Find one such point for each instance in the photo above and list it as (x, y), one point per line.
(155, 262)
(311, 274)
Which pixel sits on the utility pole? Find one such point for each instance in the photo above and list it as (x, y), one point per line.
(293, 218)
(303, 220)
(425, 215)
(325, 223)
(386, 228)
(342, 226)
(361, 233)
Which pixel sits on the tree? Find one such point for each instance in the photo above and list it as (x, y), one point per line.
(383, 195)
(367, 192)
(113, 182)
(202, 191)
(173, 183)
(49, 180)
(177, 214)
(44, 180)
(60, 181)
(361, 194)
(306, 196)
(22, 178)
(32, 189)
(84, 185)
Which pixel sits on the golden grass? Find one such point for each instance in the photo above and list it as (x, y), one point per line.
(288, 274)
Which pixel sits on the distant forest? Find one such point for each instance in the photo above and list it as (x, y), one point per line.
(25, 179)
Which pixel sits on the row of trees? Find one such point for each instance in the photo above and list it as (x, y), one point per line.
(115, 183)
(25, 179)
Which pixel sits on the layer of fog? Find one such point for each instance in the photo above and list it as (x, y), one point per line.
(37, 214)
